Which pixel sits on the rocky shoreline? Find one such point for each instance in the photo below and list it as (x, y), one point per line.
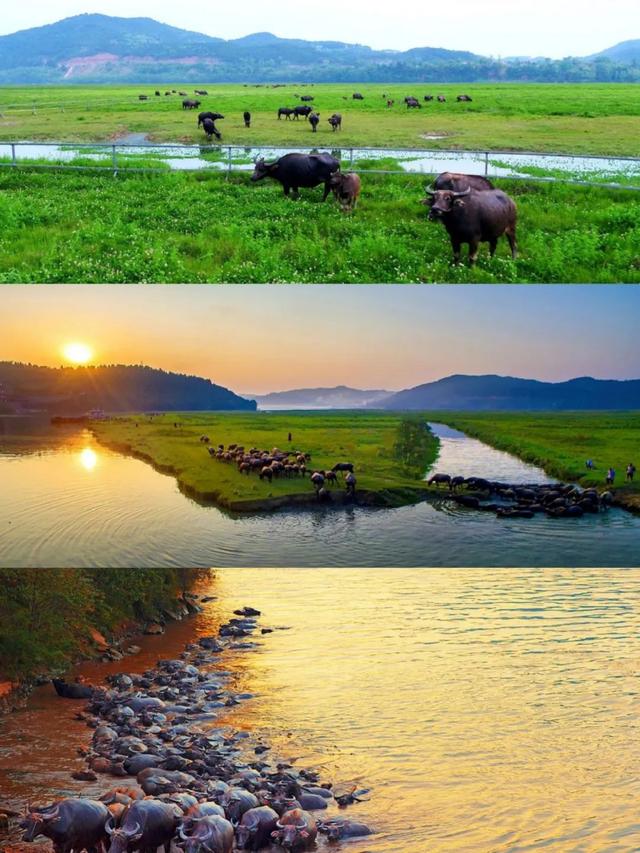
(179, 778)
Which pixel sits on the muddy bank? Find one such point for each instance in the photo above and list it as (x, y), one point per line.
(115, 645)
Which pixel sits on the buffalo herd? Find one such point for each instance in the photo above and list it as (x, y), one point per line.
(184, 780)
(274, 464)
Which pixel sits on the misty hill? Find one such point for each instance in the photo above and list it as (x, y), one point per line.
(625, 51)
(113, 388)
(500, 393)
(340, 397)
(95, 48)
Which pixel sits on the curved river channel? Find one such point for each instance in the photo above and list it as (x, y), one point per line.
(65, 500)
(493, 711)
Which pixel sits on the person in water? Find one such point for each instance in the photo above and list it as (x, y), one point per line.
(631, 470)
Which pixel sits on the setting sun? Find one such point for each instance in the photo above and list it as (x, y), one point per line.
(77, 353)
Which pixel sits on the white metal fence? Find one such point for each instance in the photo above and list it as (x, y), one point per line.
(123, 157)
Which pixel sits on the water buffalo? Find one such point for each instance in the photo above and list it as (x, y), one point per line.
(145, 826)
(458, 182)
(287, 112)
(445, 479)
(299, 170)
(306, 98)
(210, 129)
(188, 104)
(157, 94)
(201, 91)
(341, 827)
(255, 828)
(237, 801)
(463, 98)
(314, 121)
(295, 830)
(72, 824)
(72, 689)
(335, 121)
(212, 116)
(428, 98)
(211, 834)
(343, 466)
(474, 217)
(246, 115)
(413, 103)
(346, 188)
(441, 99)
(143, 97)
(302, 111)
(357, 96)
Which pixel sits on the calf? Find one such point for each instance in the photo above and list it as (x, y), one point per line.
(346, 188)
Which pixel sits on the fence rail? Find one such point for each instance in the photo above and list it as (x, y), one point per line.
(119, 157)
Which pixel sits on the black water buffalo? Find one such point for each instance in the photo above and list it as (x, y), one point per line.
(255, 828)
(441, 99)
(445, 479)
(209, 127)
(201, 91)
(302, 111)
(428, 97)
(335, 121)
(72, 824)
(246, 115)
(299, 170)
(463, 98)
(474, 217)
(157, 94)
(340, 827)
(287, 112)
(458, 182)
(145, 826)
(189, 104)
(343, 466)
(212, 116)
(357, 96)
(72, 689)
(143, 97)
(211, 834)
(413, 103)
(314, 121)
(306, 98)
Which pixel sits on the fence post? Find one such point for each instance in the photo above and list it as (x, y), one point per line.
(114, 160)
(486, 163)
(229, 164)
(350, 159)
(13, 154)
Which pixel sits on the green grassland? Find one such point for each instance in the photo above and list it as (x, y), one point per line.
(561, 443)
(601, 119)
(93, 227)
(391, 453)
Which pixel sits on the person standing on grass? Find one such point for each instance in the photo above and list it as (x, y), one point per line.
(631, 470)
(611, 475)
(589, 464)
(289, 438)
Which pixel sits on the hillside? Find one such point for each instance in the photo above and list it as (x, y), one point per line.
(96, 48)
(506, 393)
(625, 51)
(113, 388)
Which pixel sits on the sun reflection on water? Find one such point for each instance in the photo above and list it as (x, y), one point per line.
(88, 459)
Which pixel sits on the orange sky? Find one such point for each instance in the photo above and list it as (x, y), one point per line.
(259, 338)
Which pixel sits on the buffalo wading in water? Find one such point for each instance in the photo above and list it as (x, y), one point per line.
(299, 170)
(474, 217)
(71, 824)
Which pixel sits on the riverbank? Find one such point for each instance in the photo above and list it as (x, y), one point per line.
(390, 454)
(52, 620)
(193, 752)
(561, 442)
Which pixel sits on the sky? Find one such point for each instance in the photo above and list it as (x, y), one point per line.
(260, 338)
(493, 27)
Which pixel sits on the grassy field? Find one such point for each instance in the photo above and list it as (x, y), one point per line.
(562, 442)
(573, 118)
(389, 453)
(88, 227)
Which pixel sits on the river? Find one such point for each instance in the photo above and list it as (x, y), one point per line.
(488, 711)
(66, 500)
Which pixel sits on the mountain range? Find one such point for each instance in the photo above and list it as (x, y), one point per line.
(94, 48)
(340, 397)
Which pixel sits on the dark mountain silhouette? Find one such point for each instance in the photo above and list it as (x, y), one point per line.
(113, 388)
(499, 393)
(340, 397)
(95, 48)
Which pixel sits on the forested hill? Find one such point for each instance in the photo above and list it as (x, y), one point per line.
(113, 388)
(508, 393)
(95, 48)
